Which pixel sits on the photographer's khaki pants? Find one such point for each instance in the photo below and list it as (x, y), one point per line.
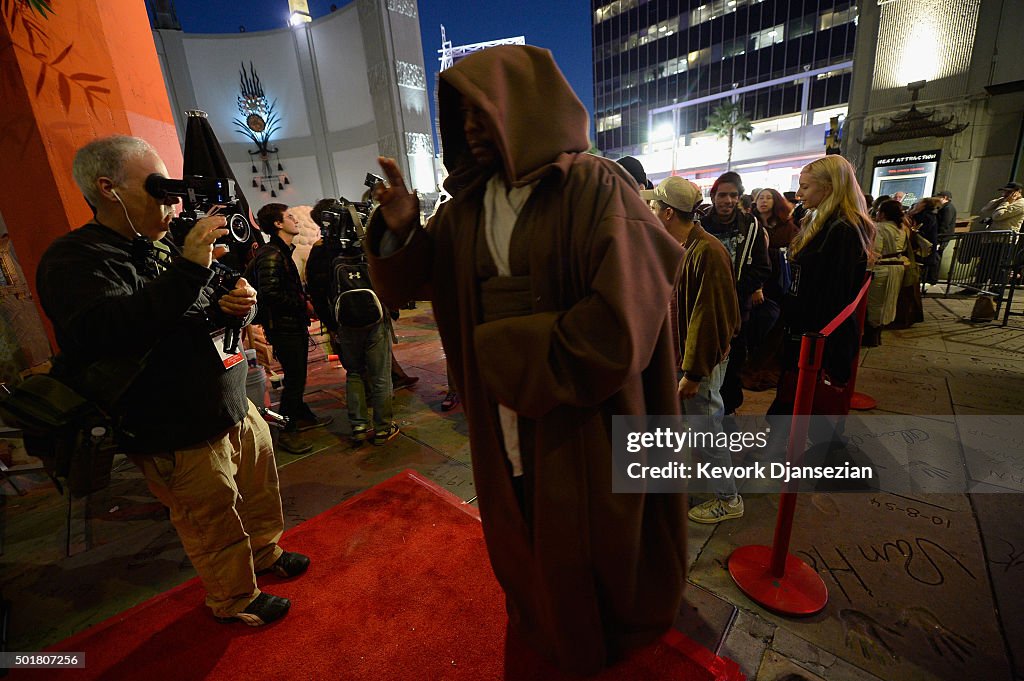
(225, 504)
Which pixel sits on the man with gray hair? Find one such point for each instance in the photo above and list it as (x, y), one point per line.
(141, 331)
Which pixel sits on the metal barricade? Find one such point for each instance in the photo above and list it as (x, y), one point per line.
(986, 263)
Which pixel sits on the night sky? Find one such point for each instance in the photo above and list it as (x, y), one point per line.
(562, 26)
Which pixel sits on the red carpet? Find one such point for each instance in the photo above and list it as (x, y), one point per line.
(399, 589)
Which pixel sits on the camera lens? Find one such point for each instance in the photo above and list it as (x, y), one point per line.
(238, 228)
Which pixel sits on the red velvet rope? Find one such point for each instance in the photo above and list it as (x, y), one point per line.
(847, 311)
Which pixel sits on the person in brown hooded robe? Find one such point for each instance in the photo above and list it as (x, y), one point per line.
(550, 280)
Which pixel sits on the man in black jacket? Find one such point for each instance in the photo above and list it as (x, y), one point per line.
(747, 243)
(123, 301)
(286, 320)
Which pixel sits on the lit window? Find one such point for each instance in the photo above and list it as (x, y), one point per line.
(611, 122)
(791, 122)
(698, 57)
(823, 116)
(768, 37)
(613, 9)
(837, 18)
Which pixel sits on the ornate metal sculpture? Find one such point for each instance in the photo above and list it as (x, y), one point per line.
(912, 124)
(259, 121)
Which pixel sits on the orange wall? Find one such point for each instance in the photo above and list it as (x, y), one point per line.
(86, 71)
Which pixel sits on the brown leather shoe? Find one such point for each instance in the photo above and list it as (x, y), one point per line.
(293, 443)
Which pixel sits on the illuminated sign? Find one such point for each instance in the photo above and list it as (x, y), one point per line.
(911, 174)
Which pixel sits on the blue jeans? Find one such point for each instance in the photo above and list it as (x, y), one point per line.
(366, 356)
(708, 405)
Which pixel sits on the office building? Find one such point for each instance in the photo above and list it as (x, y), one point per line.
(662, 66)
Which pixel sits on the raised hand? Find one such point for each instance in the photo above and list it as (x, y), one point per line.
(198, 245)
(399, 207)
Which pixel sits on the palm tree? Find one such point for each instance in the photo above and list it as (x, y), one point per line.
(729, 121)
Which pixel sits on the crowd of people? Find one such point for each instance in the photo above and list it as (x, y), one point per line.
(566, 289)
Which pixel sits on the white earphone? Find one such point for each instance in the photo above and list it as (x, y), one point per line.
(125, 209)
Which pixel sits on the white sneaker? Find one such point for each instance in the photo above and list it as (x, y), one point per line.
(716, 510)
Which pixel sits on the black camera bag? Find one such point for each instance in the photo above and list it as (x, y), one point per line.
(69, 434)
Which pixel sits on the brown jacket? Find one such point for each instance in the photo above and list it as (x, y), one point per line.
(586, 572)
(709, 314)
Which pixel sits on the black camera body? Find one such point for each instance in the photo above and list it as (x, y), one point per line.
(344, 221)
(199, 196)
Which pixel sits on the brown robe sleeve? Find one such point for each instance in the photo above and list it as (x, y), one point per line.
(403, 275)
(583, 355)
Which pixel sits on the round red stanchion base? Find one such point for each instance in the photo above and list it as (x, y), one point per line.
(862, 402)
(801, 592)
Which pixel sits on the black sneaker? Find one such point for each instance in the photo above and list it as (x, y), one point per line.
(289, 564)
(362, 433)
(382, 437)
(263, 610)
(451, 400)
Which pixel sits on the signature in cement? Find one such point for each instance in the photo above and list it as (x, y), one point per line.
(1014, 558)
(919, 558)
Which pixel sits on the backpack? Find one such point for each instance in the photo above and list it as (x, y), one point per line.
(70, 435)
(353, 300)
(984, 309)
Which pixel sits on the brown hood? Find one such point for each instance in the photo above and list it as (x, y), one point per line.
(534, 114)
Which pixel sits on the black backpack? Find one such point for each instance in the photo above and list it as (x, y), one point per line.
(71, 436)
(353, 300)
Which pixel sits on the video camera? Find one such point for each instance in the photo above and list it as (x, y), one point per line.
(344, 221)
(200, 195)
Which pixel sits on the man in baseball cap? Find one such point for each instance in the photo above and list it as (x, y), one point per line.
(1005, 212)
(678, 193)
(706, 316)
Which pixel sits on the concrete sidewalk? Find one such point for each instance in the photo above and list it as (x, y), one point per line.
(920, 588)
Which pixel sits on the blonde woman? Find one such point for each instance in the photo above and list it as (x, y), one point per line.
(829, 257)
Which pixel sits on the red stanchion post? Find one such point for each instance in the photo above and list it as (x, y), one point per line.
(812, 346)
(770, 576)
